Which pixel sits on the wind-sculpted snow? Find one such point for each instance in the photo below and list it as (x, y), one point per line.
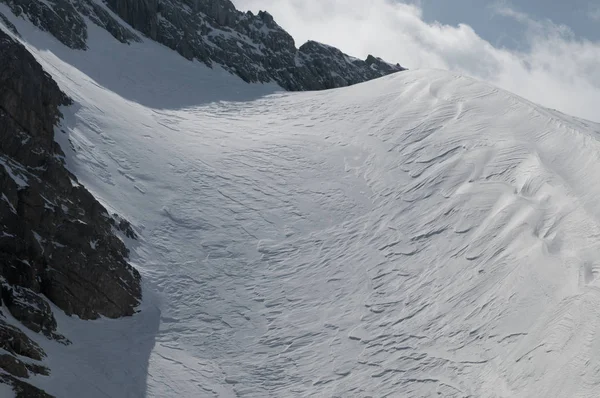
(419, 235)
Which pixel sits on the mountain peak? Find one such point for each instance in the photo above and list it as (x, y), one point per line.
(254, 47)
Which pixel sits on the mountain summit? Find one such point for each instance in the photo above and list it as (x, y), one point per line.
(251, 46)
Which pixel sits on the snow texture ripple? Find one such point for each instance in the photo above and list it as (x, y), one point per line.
(423, 234)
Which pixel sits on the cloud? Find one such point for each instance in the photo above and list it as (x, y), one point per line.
(557, 70)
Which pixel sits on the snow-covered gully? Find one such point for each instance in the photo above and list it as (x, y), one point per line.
(422, 234)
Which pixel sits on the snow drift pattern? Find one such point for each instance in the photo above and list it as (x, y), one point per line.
(416, 235)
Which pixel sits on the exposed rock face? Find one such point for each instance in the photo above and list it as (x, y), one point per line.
(140, 14)
(29, 308)
(57, 239)
(251, 46)
(22, 389)
(18, 346)
(9, 24)
(329, 67)
(61, 19)
(17, 342)
(57, 242)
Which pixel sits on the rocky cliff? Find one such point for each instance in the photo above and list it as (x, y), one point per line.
(251, 46)
(57, 243)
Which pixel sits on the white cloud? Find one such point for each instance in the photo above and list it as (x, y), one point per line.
(558, 70)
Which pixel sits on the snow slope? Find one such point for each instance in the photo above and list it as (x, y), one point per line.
(419, 235)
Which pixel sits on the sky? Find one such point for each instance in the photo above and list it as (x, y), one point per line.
(547, 51)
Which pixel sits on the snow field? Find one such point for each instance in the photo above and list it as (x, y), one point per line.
(419, 235)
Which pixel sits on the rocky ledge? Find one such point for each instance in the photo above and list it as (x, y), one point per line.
(254, 47)
(57, 243)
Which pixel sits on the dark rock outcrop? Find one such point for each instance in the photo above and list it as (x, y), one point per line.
(103, 18)
(254, 47)
(12, 364)
(9, 24)
(64, 19)
(140, 14)
(22, 389)
(57, 242)
(18, 368)
(16, 342)
(326, 66)
(61, 19)
(30, 309)
(57, 239)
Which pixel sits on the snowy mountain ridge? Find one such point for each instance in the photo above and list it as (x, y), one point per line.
(251, 46)
(422, 234)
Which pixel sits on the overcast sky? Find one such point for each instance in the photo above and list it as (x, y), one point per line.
(545, 50)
